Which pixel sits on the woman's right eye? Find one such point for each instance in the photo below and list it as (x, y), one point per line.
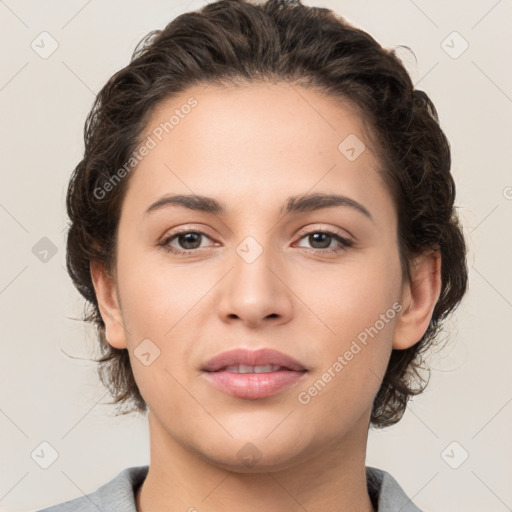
(187, 239)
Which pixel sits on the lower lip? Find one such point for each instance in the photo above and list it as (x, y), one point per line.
(253, 385)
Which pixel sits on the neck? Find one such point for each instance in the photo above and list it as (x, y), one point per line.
(180, 479)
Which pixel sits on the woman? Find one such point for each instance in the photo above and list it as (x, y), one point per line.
(263, 225)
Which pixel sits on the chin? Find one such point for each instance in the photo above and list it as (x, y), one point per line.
(251, 454)
(251, 459)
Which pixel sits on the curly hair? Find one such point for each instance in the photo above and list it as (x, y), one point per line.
(236, 41)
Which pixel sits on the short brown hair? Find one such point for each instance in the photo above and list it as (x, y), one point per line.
(236, 41)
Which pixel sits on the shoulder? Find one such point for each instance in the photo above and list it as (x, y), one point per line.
(387, 493)
(118, 494)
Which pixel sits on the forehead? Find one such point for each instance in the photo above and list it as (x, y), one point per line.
(277, 113)
(263, 138)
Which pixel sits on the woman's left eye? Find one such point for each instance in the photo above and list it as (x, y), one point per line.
(324, 239)
(191, 240)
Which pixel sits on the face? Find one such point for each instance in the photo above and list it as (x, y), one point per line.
(320, 283)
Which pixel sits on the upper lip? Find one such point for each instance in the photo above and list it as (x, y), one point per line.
(262, 357)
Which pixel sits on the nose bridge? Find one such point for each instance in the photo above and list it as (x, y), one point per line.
(255, 257)
(252, 290)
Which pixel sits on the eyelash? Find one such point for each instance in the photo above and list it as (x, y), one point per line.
(344, 242)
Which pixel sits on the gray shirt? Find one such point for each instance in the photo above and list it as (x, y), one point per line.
(118, 495)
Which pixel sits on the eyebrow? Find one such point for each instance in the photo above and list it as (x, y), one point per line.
(294, 204)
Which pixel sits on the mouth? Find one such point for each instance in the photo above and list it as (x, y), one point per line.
(253, 374)
(243, 368)
(253, 361)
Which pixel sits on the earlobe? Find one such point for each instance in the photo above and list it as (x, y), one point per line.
(419, 297)
(106, 294)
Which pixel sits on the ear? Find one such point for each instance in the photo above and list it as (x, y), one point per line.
(108, 301)
(419, 297)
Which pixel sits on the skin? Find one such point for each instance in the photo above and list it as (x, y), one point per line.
(252, 147)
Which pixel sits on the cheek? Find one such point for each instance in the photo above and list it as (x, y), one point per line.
(352, 361)
(160, 305)
(354, 296)
(155, 296)
(359, 308)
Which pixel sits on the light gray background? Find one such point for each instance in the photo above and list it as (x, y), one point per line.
(47, 396)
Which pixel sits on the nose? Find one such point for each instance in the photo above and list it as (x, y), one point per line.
(256, 291)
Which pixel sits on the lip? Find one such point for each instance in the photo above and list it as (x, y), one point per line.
(262, 357)
(253, 385)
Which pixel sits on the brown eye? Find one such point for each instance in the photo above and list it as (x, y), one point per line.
(321, 241)
(187, 241)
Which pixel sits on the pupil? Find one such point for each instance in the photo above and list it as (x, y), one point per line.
(187, 240)
(315, 237)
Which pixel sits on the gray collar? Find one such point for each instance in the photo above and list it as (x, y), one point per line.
(118, 495)
(386, 493)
